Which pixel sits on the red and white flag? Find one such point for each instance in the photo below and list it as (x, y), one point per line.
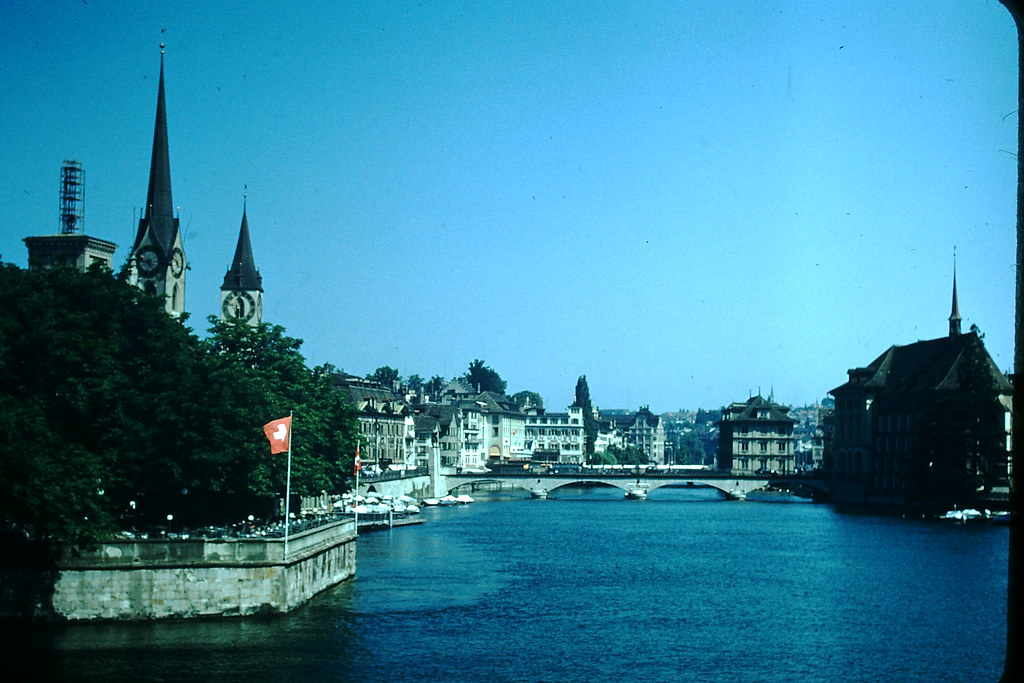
(279, 433)
(359, 461)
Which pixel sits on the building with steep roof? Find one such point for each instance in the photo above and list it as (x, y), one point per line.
(385, 421)
(241, 295)
(156, 263)
(471, 432)
(642, 429)
(756, 436)
(439, 428)
(924, 423)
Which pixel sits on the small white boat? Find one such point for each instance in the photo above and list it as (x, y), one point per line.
(636, 494)
(963, 515)
(431, 502)
(464, 499)
(448, 500)
(412, 509)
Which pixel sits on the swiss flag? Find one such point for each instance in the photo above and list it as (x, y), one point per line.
(279, 433)
(359, 461)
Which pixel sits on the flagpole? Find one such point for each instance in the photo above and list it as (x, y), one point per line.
(358, 466)
(288, 488)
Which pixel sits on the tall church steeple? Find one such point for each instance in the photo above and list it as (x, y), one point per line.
(157, 259)
(241, 295)
(954, 316)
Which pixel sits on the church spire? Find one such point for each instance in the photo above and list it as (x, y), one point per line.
(241, 295)
(157, 261)
(158, 214)
(954, 316)
(242, 275)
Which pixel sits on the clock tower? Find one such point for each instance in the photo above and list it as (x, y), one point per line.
(157, 263)
(241, 295)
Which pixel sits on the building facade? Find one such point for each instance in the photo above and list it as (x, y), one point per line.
(756, 437)
(472, 429)
(385, 421)
(555, 437)
(642, 429)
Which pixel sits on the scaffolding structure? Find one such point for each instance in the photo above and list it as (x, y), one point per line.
(72, 197)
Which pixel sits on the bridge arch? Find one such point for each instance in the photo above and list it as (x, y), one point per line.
(729, 485)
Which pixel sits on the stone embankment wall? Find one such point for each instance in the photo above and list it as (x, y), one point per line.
(158, 579)
(417, 487)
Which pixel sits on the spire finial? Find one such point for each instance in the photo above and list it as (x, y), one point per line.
(162, 46)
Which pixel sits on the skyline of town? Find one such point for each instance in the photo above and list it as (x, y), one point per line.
(685, 215)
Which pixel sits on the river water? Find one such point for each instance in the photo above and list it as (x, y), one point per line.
(591, 587)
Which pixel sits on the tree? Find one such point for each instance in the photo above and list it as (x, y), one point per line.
(629, 455)
(415, 382)
(120, 410)
(483, 378)
(689, 449)
(263, 374)
(105, 390)
(435, 386)
(590, 426)
(524, 398)
(386, 375)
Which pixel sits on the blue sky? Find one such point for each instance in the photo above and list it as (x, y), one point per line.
(689, 202)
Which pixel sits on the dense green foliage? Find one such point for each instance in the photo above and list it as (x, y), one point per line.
(483, 378)
(524, 398)
(619, 455)
(385, 375)
(590, 427)
(689, 450)
(434, 386)
(118, 413)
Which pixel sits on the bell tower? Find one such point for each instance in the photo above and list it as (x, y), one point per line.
(241, 295)
(157, 263)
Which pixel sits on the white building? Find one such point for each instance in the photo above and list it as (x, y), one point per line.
(555, 437)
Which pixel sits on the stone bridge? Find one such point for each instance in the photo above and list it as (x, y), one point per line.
(637, 485)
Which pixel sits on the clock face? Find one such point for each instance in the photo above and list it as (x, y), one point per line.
(147, 260)
(239, 305)
(177, 262)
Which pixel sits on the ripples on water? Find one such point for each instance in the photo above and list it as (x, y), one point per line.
(591, 587)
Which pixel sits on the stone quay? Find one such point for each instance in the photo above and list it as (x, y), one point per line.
(142, 579)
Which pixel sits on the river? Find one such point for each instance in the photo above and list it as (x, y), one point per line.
(588, 586)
